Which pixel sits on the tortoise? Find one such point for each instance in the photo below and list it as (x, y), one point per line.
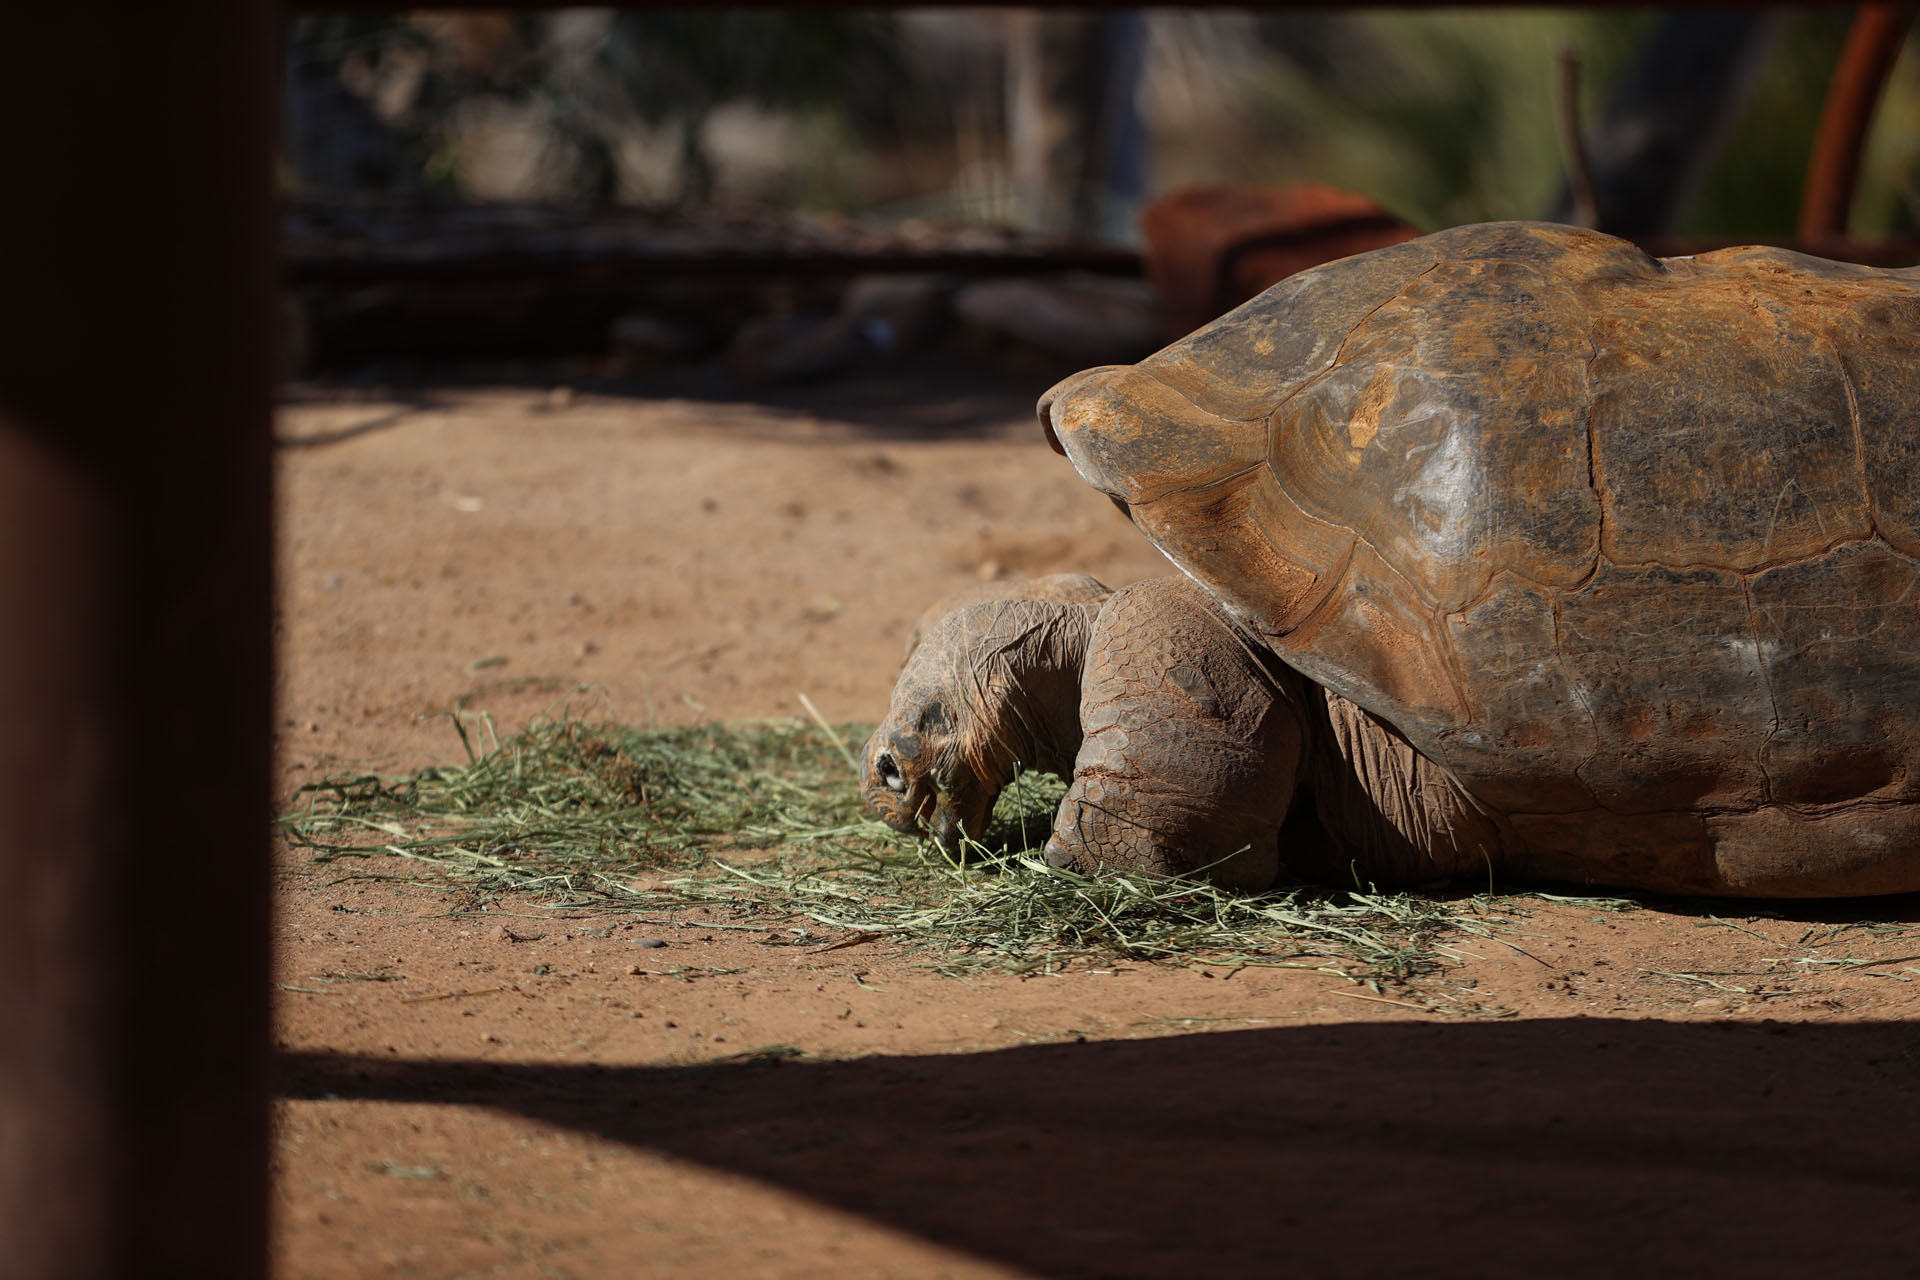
(1508, 550)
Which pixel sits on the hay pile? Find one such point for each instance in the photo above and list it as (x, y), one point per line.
(763, 823)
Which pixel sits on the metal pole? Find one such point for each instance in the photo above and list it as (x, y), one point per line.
(135, 659)
(1873, 46)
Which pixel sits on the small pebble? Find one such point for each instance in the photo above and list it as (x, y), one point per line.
(650, 943)
(633, 968)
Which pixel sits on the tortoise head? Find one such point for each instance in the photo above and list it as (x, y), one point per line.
(991, 688)
(916, 773)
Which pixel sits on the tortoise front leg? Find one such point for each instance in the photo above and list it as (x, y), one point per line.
(1192, 748)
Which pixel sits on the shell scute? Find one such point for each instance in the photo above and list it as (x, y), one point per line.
(1230, 538)
(1531, 732)
(1245, 363)
(1451, 434)
(1572, 255)
(1878, 350)
(1373, 641)
(1839, 637)
(1656, 656)
(1722, 427)
(1134, 437)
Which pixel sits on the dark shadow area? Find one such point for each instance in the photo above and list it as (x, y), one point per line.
(1886, 910)
(1891, 909)
(1541, 1148)
(924, 397)
(371, 424)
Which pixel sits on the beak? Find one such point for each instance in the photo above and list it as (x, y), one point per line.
(909, 814)
(959, 818)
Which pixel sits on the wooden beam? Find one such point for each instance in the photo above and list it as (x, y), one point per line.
(135, 639)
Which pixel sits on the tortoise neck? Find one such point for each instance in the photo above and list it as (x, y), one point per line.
(1390, 814)
(1037, 670)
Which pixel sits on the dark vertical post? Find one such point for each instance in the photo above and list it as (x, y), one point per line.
(135, 660)
(1667, 116)
(1073, 128)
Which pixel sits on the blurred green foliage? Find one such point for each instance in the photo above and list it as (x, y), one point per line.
(1754, 189)
(1442, 117)
(1447, 117)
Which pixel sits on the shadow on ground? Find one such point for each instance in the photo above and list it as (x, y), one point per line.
(927, 397)
(1551, 1147)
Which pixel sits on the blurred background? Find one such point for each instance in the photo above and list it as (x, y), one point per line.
(643, 187)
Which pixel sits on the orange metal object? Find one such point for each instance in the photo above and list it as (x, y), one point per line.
(1833, 172)
(1211, 248)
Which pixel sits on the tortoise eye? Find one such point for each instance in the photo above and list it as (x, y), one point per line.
(889, 773)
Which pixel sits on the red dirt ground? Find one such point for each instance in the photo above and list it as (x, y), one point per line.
(494, 1095)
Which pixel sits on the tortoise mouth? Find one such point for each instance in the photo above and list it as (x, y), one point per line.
(911, 814)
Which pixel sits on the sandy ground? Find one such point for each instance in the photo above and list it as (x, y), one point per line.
(495, 1095)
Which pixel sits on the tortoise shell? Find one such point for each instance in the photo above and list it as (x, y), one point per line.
(1601, 533)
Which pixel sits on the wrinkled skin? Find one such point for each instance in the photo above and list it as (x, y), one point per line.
(1191, 749)
(1059, 588)
(993, 687)
(1193, 743)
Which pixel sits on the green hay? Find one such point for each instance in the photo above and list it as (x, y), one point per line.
(761, 824)
(575, 808)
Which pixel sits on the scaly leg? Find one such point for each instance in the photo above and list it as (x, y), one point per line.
(1193, 743)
